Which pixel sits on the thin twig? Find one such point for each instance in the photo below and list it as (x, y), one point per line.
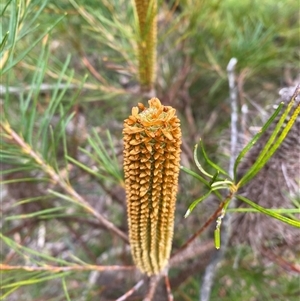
(154, 280)
(55, 269)
(180, 80)
(57, 179)
(209, 220)
(234, 113)
(93, 71)
(168, 287)
(288, 266)
(40, 88)
(78, 82)
(194, 266)
(194, 250)
(131, 291)
(243, 104)
(210, 271)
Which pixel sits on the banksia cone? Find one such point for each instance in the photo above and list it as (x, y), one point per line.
(152, 139)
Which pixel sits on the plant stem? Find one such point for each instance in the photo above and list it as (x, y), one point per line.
(57, 179)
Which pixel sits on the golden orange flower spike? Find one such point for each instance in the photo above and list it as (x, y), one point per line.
(152, 140)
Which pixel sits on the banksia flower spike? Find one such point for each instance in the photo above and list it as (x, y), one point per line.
(152, 139)
(146, 12)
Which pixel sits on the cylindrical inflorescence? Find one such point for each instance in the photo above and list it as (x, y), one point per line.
(146, 12)
(152, 139)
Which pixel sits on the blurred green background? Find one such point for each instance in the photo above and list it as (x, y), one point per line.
(69, 77)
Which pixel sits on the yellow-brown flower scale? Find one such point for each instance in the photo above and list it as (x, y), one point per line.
(152, 139)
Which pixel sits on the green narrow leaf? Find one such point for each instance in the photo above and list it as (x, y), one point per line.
(38, 214)
(83, 166)
(269, 212)
(277, 210)
(30, 200)
(217, 232)
(201, 179)
(254, 140)
(195, 203)
(39, 279)
(217, 238)
(212, 164)
(9, 292)
(272, 146)
(64, 285)
(24, 251)
(5, 7)
(21, 56)
(64, 197)
(221, 184)
(12, 36)
(54, 103)
(196, 176)
(283, 134)
(105, 161)
(198, 163)
(3, 42)
(31, 16)
(51, 150)
(112, 147)
(33, 180)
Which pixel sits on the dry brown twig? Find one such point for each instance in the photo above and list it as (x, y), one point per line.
(206, 224)
(92, 70)
(154, 280)
(168, 287)
(131, 291)
(288, 266)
